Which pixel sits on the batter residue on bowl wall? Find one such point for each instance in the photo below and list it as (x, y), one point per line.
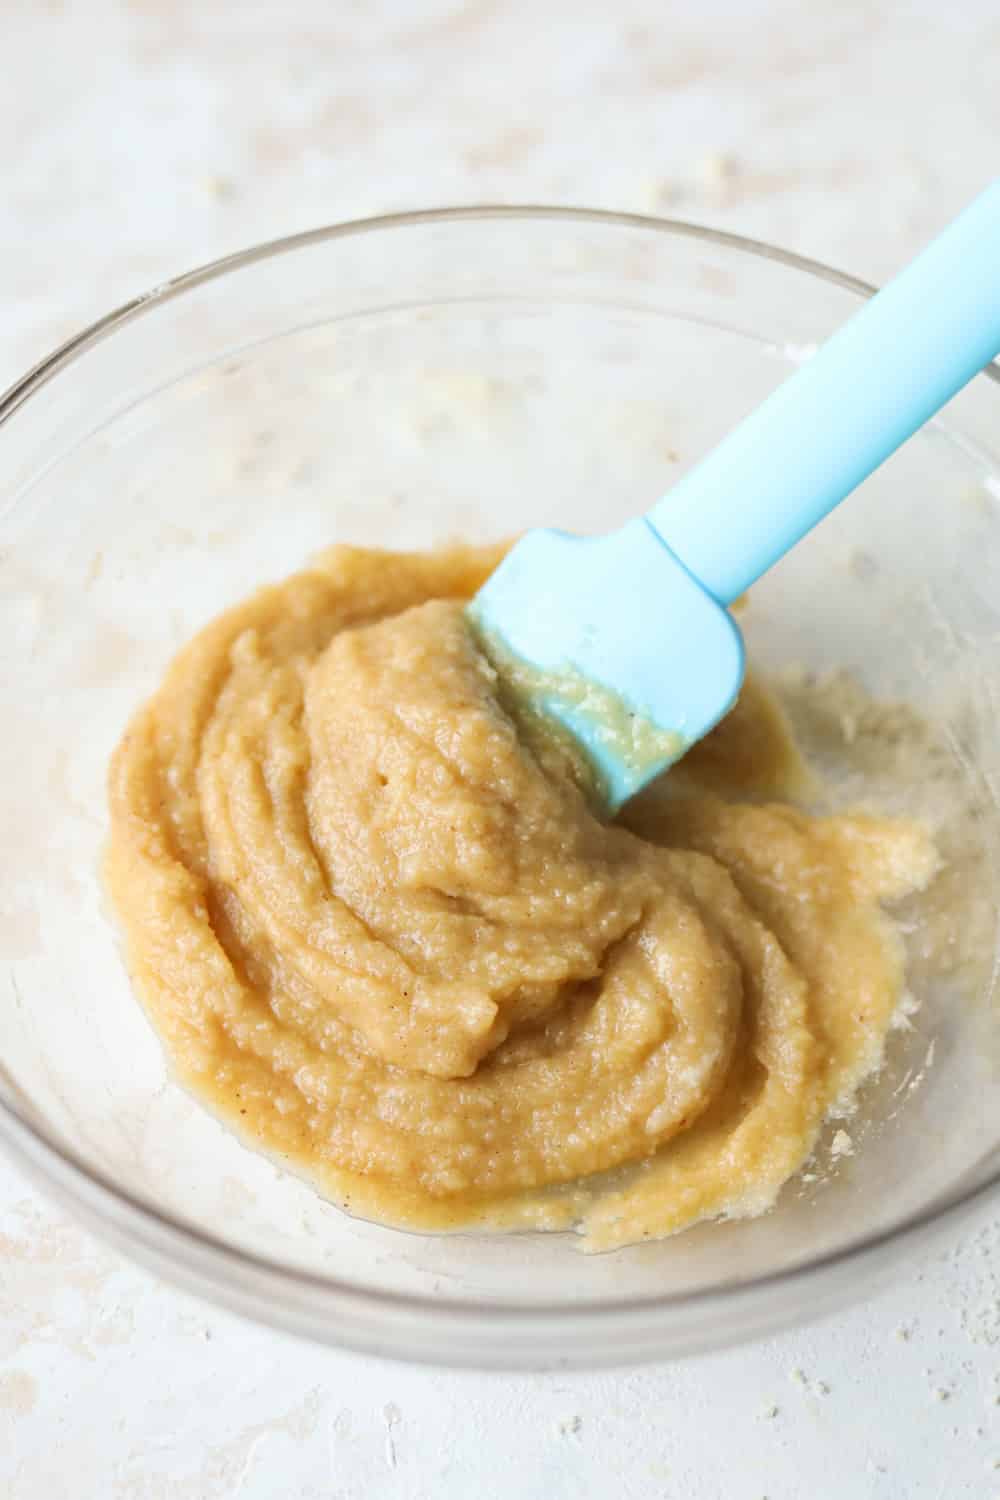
(383, 936)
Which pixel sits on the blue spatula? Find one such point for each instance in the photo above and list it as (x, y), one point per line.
(627, 639)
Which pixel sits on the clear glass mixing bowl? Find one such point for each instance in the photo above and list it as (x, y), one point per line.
(403, 382)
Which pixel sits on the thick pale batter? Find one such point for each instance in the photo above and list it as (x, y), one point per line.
(381, 933)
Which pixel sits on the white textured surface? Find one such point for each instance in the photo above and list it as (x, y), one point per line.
(143, 138)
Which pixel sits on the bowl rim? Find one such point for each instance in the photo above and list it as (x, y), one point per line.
(183, 1251)
(165, 291)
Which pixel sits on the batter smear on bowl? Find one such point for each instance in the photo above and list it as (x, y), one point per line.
(383, 934)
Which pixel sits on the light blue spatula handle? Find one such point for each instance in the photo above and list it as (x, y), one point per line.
(868, 389)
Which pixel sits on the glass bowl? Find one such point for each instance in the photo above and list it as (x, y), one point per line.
(403, 382)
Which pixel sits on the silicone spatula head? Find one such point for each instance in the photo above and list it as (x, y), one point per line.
(613, 638)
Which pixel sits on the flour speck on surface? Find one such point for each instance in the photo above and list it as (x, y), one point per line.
(571, 1426)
